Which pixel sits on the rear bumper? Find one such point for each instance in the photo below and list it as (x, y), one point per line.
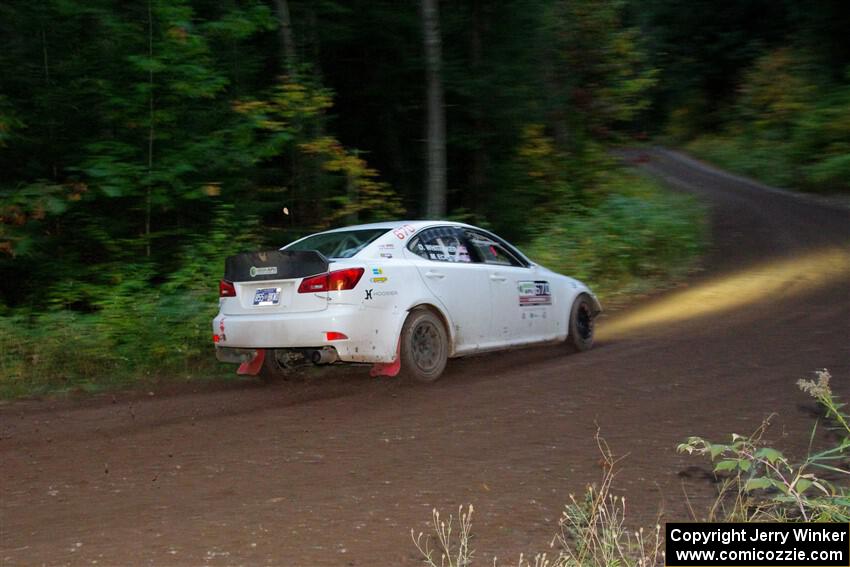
(235, 355)
(372, 333)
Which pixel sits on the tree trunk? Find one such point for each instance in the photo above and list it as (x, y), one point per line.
(291, 190)
(479, 156)
(148, 196)
(435, 188)
(287, 43)
(555, 80)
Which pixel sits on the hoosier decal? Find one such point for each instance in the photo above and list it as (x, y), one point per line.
(534, 293)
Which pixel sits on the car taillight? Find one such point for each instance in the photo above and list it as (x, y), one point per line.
(339, 280)
(226, 289)
(314, 284)
(344, 279)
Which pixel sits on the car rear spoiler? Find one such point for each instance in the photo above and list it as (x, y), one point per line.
(274, 265)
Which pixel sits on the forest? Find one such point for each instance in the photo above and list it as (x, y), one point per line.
(143, 142)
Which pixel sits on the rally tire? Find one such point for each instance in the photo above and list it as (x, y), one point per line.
(581, 330)
(423, 346)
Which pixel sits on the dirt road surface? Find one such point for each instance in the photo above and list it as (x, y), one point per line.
(338, 471)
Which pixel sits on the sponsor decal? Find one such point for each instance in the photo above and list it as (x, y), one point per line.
(262, 271)
(534, 314)
(379, 280)
(438, 248)
(377, 271)
(534, 293)
(386, 255)
(371, 292)
(445, 252)
(386, 247)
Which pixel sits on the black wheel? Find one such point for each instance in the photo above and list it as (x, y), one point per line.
(275, 365)
(581, 323)
(424, 346)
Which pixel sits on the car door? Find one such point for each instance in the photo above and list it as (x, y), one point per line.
(457, 281)
(522, 300)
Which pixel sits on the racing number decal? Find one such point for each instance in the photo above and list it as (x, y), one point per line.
(534, 293)
(403, 232)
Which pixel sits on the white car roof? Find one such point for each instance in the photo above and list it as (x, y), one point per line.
(416, 224)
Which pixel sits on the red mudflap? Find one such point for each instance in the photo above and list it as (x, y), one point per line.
(252, 367)
(387, 368)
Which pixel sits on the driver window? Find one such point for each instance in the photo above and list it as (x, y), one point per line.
(490, 251)
(442, 244)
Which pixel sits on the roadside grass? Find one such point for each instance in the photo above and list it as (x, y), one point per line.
(639, 237)
(133, 334)
(64, 352)
(774, 162)
(770, 162)
(757, 483)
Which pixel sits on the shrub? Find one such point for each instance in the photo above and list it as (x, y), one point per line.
(638, 233)
(789, 127)
(591, 533)
(135, 328)
(760, 483)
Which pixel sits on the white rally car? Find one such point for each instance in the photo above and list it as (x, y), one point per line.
(403, 296)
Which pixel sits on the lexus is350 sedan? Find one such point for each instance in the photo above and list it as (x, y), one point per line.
(402, 296)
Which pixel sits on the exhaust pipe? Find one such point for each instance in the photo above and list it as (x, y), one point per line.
(325, 355)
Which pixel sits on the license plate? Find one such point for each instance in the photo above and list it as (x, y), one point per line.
(267, 296)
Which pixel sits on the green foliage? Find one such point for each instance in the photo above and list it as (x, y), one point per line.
(292, 110)
(831, 172)
(773, 94)
(760, 87)
(549, 185)
(766, 161)
(601, 70)
(366, 198)
(153, 126)
(786, 139)
(638, 233)
(791, 132)
(9, 123)
(293, 116)
(763, 484)
(136, 330)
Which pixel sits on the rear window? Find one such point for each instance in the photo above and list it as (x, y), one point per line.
(342, 244)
